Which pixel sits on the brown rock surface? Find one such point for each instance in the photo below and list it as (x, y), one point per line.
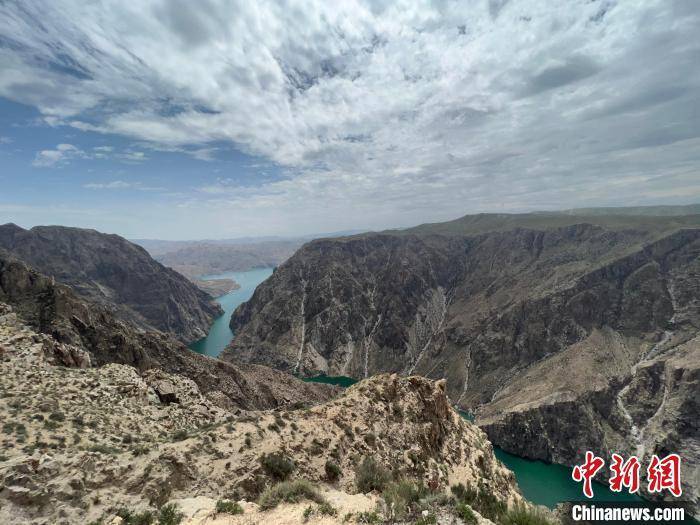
(111, 271)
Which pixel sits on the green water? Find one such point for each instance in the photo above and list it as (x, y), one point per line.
(541, 483)
(549, 484)
(331, 380)
(220, 334)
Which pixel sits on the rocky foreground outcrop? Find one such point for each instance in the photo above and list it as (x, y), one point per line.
(111, 271)
(55, 310)
(568, 330)
(85, 444)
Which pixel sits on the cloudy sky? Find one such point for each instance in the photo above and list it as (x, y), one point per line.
(223, 118)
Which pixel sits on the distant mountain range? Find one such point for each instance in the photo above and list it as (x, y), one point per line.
(206, 257)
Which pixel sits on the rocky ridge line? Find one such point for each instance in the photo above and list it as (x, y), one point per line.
(81, 443)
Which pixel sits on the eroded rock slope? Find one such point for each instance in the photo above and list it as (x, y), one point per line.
(111, 271)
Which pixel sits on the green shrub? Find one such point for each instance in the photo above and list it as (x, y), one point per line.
(277, 466)
(169, 515)
(180, 435)
(523, 515)
(139, 450)
(308, 512)
(481, 499)
(370, 518)
(129, 518)
(326, 509)
(333, 471)
(290, 492)
(466, 514)
(50, 425)
(103, 449)
(228, 507)
(57, 416)
(430, 519)
(401, 495)
(370, 475)
(323, 509)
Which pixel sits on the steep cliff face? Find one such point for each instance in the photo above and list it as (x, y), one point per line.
(111, 271)
(54, 309)
(652, 408)
(474, 309)
(547, 333)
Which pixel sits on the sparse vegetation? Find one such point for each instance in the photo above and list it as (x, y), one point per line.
(428, 519)
(51, 424)
(103, 449)
(400, 496)
(465, 513)
(323, 509)
(180, 435)
(290, 492)
(142, 518)
(139, 450)
(225, 506)
(308, 512)
(333, 471)
(370, 475)
(480, 499)
(523, 515)
(169, 515)
(369, 518)
(57, 416)
(277, 466)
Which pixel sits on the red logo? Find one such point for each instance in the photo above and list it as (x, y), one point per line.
(662, 474)
(624, 474)
(586, 472)
(665, 474)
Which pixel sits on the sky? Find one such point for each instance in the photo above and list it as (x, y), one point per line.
(229, 118)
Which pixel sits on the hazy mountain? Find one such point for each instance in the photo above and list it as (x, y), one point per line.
(196, 258)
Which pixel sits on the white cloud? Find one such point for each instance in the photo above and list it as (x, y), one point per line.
(119, 185)
(132, 156)
(53, 157)
(397, 111)
(63, 153)
(114, 185)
